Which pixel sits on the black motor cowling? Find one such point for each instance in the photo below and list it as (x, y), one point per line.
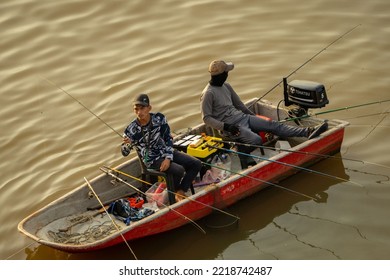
(305, 94)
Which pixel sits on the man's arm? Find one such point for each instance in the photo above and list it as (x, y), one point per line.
(237, 101)
(206, 107)
(165, 131)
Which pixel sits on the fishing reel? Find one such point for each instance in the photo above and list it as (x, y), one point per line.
(303, 95)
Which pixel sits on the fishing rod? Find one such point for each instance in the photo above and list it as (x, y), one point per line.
(259, 180)
(231, 171)
(85, 107)
(335, 110)
(212, 207)
(115, 225)
(147, 195)
(288, 164)
(105, 123)
(299, 152)
(100, 119)
(306, 62)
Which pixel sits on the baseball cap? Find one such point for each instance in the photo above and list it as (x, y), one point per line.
(217, 67)
(142, 100)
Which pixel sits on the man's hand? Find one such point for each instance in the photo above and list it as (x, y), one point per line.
(165, 165)
(126, 146)
(232, 129)
(126, 140)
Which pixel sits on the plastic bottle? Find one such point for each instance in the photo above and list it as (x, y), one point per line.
(160, 188)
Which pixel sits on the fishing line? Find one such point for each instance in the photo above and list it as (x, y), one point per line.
(366, 116)
(369, 125)
(115, 225)
(335, 110)
(372, 130)
(307, 61)
(326, 220)
(139, 191)
(213, 208)
(387, 177)
(301, 152)
(85, 107)
(24, 248)
(260, 180)
(289, 165)
(105, 123)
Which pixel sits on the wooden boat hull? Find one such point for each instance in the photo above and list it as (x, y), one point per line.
(220, 195)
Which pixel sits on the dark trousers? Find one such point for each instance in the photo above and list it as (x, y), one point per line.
(184, 169)
(250, 126)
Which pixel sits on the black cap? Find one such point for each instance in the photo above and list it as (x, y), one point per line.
(142, 100)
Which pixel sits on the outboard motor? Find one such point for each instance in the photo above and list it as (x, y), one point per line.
(304, 95)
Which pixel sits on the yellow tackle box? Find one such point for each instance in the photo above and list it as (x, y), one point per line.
(200, 146)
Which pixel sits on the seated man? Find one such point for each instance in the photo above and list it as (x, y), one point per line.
(151, 136)
(222, 109)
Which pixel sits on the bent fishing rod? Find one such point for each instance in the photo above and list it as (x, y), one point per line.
(306, 62)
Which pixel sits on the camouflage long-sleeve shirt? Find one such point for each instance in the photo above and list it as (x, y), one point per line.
(153, 141)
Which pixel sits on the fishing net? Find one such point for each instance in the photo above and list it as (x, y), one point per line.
(83, 229)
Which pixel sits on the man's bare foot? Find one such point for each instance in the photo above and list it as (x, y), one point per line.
(180, 195)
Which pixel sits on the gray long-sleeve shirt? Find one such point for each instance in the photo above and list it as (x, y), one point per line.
(221, 105)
